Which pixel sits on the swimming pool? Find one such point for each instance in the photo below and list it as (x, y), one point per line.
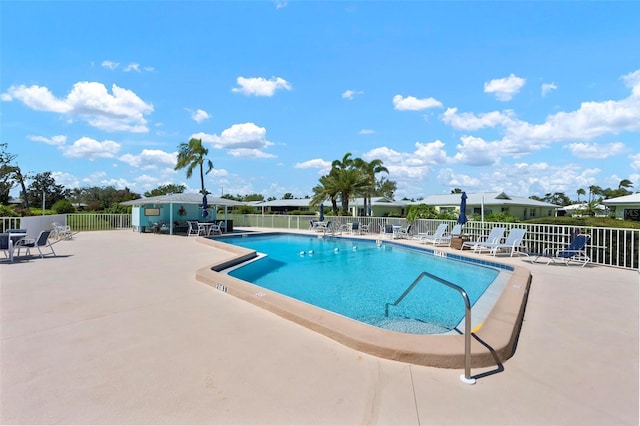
(357, 278)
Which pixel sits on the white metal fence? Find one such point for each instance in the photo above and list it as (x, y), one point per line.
(607, 246)
(619, 247)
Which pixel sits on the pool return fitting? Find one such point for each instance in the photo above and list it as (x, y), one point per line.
(466, 377)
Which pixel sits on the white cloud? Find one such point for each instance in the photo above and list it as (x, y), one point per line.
(635, 161)
(323, 166)
(91, 149)
(260, 86)
(505, 88)
(476, 151)
(366, 132)
(122, 110)
(200, 115)
(351, 94)
(54, 140)
(65, 179)
(547, 87)
(240, 140)
(280, 4)
(411, 103)
(110, 65)
(151, 159)
(132, 67)
(470, 121)
(585, 150)
(411, 166)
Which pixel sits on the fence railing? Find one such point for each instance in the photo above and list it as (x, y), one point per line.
(619, 247)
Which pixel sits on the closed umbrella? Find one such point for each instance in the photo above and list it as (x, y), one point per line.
(321, 212)
(462, 217)
(205, 206)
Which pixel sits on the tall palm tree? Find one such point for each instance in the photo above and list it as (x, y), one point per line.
(370, 169)
(191, 155)
(349, 182)
(580, 192)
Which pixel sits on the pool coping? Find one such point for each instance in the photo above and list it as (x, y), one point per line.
(492, 343)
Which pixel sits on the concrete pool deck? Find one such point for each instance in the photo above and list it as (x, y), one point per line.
(116, 330)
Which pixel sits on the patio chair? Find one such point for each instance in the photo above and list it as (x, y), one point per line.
(387, 231)
(404, 232)
(41, 241)
(513, 243)
(439, 237)
(495, 236)
(355, 228)
(574, 252)
(61, 232)
(194, 228)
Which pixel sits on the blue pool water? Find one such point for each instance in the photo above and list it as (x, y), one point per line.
(356, 278)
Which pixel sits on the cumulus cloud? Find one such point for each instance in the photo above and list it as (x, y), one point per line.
(411, 103)
(504, 88)
(91, 149)
(410, 165)
(635, 161)
(586, 150)
(121, 110)
(547, 87)
(240, 140)
(323, 166)
(366, 132)
(54, 140)
(351, 94)
(150, 159)
(200, 115)
(260, 86)
(470, 121)
(476, 151)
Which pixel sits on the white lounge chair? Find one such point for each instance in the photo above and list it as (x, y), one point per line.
(439, 237)
(61, 231)
(574, 252)
(495, 236)
(513, 243)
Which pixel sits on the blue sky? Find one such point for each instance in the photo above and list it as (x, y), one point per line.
(523, 97)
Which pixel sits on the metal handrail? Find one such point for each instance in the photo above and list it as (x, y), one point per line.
(466, 377)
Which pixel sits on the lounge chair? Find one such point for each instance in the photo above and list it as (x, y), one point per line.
(439, 237)
(355, 228)
(495, 236)
(41, 241)
(574, 252)
(513, 243)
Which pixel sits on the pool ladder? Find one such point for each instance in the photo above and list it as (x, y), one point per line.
(466, 377)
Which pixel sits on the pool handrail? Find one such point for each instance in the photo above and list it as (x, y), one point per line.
(466, 377)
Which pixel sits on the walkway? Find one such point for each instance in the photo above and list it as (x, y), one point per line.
(117, 330)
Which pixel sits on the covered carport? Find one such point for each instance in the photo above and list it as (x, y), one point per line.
(172, 208)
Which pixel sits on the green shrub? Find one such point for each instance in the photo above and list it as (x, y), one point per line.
(63, 207)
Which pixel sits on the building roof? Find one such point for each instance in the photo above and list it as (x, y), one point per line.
(627, 199)
(182, 198)
(486, 198)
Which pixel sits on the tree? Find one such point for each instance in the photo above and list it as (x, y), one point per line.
(370, 169)
(288, 196)
(191, 155)
(165, 189)
(386, 188)
(580, 192)
(594, 190)
(625, 184)
(45, 184)
(10, 174)
(326, 190)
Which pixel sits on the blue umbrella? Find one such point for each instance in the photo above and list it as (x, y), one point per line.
(205, 206)
(321, 212)
(462, 218)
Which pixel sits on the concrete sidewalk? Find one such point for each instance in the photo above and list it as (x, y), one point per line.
(116, 330)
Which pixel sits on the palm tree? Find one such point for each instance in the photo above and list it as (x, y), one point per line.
(191, 155)
(370, 169)
(327, 189)
(349, 182)
(580, 192)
